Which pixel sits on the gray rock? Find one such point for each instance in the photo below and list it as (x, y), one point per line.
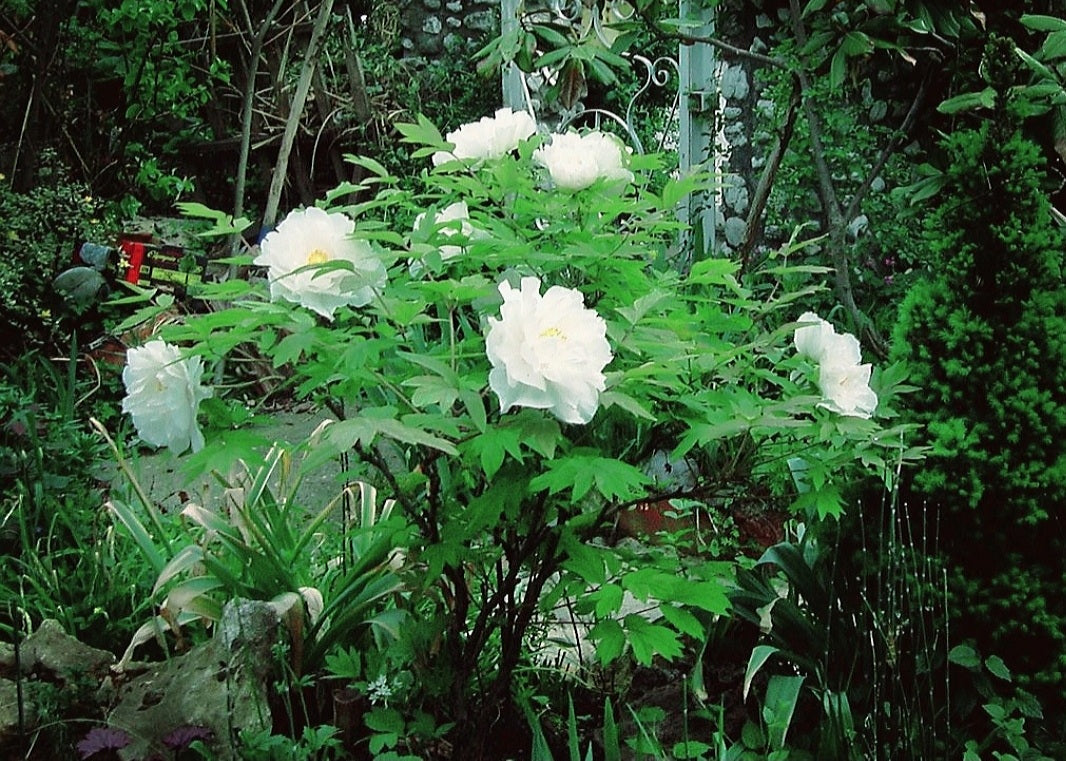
(734, 83)
(482, 21)
(453, 22)
(221, 685)
(736, 196)
(432, 25)
(433, 5)
(56, 656)
(9, 711)
(735, 229)
(454, 6)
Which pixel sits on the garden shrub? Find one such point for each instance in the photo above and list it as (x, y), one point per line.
(422, 318)
(43, 228)
(985, 337)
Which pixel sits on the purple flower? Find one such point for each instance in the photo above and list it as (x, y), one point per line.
(101, 739)
(182, 737)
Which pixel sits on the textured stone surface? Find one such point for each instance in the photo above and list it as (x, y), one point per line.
(431, 26)
(735, 228)
(9, 711)
(220, 685)
(54, 655)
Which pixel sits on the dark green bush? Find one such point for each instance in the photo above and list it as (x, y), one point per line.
(985, 337)
(42, 231)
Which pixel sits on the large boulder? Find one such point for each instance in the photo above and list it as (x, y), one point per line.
(47, 660)
(219, 688)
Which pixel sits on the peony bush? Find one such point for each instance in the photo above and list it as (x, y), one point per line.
(515, 393)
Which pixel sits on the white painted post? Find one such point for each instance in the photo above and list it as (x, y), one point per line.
(514, 95)
(698, 106)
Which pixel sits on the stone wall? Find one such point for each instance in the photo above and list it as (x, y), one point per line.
(431, 27)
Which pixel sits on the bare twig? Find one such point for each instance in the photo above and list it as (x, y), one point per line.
(299, 98)
(246, 116)
(753, 224)
(835, 219)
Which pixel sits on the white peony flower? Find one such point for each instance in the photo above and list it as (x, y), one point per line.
(820, 341)
(312, 236)
(488, 138)
(547, 352)
(576, 161)
(842, 379)
(456, 212)
(846, 388)
(163, 394)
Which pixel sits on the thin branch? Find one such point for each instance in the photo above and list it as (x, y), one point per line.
(836, 222)
(299, 98)
(664, 33)
(886, 153)
(753, 224)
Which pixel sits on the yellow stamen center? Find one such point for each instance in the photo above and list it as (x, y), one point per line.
(317, 256)
(553, 332)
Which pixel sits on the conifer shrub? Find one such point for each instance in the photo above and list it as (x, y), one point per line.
(984, 335)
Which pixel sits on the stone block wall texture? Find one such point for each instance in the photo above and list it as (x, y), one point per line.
(431, 27)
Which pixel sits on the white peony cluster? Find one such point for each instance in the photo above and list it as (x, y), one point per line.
(842, 379)
(309, 237)
(547, 352)
(163, 395)
(488, 138)
(576, 161)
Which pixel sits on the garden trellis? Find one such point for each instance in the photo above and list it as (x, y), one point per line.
(692, 110)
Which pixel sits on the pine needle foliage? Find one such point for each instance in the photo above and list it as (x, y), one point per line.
(985, 337)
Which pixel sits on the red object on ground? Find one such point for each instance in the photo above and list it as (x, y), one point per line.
(133, 246)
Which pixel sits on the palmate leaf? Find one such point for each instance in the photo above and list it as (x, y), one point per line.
(612, 479)
(648, 640)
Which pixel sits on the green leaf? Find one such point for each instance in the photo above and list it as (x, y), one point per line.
(1054, 46)
(423, 132)
(759, 656)
(224, 224)
(837, 69)
(1043, 23)
(967, 101)
(139, 533)
(537, 432)
(292, 347)
(629, 404)
(965, 656)
(1035, 65)
(856, 43)
(997, 667)
(612, 478)
(608, 600)
(609, 638)
(682, 620)
(549, 34)
(612, 749)
(648, 640)
(584, 560)
(813, 7)
(571, 730)
(387, 720)
(782, 695)
(692, 749)
(713, 271)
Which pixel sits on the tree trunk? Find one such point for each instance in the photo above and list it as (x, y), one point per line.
(296, 108)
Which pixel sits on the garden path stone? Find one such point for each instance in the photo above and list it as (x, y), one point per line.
(163, 477)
